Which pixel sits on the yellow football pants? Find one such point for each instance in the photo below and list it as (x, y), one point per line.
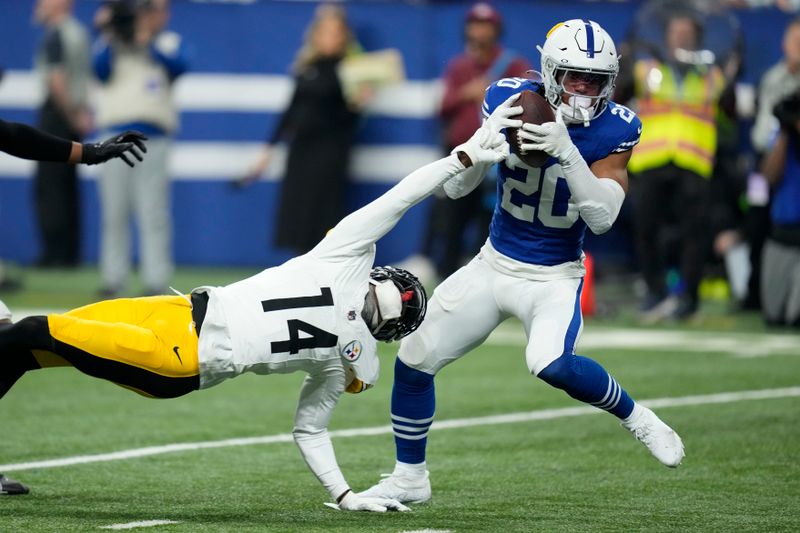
(148, 345)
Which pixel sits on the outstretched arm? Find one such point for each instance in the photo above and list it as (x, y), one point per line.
(360, 230)
(23, 141)
(318, 398)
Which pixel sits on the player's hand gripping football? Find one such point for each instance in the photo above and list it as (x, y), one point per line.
(550, 137)
(122, 146)
(353, 502)
(488, 144)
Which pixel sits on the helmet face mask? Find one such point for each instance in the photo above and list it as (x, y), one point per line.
(579, 51)
(413, 303)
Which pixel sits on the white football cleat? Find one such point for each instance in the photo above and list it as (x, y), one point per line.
(401, 486)
(660, 439)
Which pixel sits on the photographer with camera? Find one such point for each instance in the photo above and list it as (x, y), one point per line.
(137, 62)
(780, 262)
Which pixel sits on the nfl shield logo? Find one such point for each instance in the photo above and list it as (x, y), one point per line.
(352, 351)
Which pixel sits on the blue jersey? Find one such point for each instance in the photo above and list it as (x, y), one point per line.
(534, 219)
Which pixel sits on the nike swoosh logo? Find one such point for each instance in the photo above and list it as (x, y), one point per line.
(175, 349)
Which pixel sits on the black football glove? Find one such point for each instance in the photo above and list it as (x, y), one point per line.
(117, 146)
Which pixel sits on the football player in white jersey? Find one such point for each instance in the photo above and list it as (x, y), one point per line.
(321, 313)
(531, 267)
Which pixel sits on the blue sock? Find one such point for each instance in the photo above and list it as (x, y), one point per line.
(413, 404)
(585, 380)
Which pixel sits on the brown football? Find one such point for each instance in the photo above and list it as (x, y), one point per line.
(535, 110)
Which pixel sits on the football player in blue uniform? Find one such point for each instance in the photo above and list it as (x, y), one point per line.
(531, 267)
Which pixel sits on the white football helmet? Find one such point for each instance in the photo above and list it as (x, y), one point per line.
(583, 49)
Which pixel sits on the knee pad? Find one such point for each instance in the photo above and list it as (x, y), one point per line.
(413, 349)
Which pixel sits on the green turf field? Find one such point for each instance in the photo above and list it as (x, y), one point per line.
(552, 472)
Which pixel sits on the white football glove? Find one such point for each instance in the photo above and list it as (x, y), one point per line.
(488, 144)
(484, 147)
(550, 137)
(500, 118)
(353, 502)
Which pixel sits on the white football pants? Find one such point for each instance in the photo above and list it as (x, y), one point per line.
(472, 302)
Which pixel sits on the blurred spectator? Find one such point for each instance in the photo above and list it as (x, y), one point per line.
(677, 97)
(25, 142)
(63, 66)
(780, 81)
(484, 61)
(319, 126)
(780, 275)
(137, 62)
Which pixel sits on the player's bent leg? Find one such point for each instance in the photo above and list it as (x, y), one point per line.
(586, 380)
(413, 395)
(147, 345)
(19, 344)
(464, 298)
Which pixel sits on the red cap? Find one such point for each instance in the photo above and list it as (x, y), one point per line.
(484, 12)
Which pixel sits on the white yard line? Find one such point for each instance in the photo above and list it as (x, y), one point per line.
(511, 418)
(428, 531)
(141, 523)
(737, 345)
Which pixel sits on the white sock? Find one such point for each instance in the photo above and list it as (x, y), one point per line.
(416, 470)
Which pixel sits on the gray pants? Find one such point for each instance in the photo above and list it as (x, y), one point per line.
(780, 283)
(143, 191)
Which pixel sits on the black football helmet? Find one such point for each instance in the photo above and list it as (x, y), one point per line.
(415, 303)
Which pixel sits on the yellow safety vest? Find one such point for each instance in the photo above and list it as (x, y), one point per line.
(678, 117)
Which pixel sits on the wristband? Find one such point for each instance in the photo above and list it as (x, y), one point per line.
(342, 495)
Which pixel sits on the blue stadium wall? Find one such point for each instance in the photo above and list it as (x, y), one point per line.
(239, 47)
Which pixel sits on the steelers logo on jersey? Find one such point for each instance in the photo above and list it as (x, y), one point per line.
(352, 351)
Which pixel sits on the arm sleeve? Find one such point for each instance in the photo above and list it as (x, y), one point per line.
(359, 231)
(26, 142)
(466, 182)
(318, 397)
(599, 199)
